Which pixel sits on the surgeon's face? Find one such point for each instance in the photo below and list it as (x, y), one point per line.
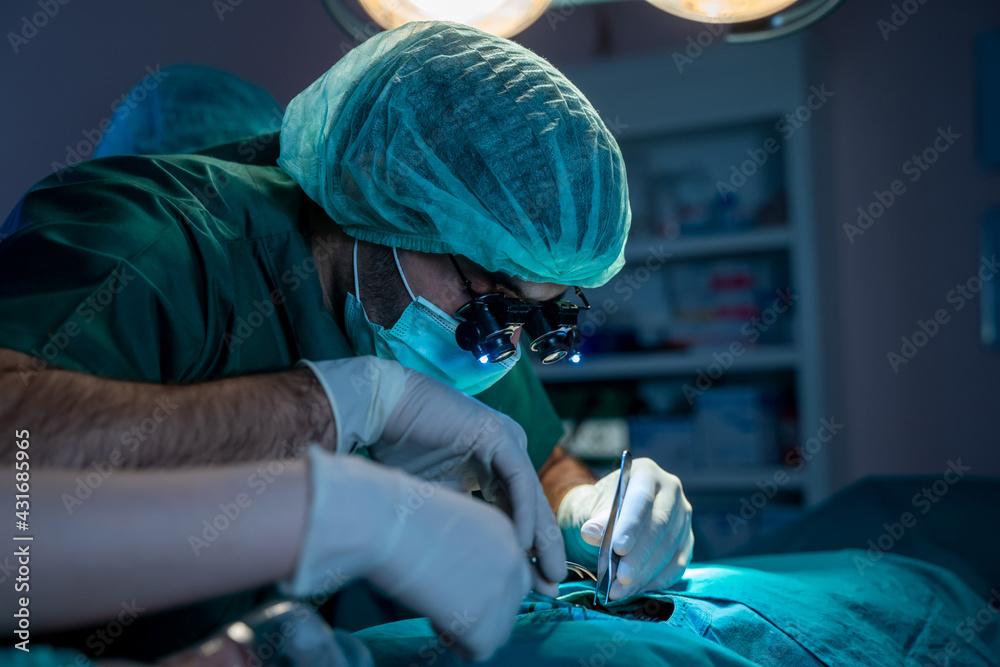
(434, 277)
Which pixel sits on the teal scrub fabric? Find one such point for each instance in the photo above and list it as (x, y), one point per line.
(185, 268)
(41, 656)
(796, 609)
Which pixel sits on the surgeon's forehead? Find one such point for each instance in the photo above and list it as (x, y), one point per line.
(528, 291)
(532, 291)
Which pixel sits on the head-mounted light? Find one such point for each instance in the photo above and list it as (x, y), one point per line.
(487, 325)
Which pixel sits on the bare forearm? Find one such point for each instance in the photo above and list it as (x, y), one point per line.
(142, 541)
(77, 420)
(562, 472)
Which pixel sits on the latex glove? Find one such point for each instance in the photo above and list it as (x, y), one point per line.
(427, 428)
(653, 533)
(445, 555)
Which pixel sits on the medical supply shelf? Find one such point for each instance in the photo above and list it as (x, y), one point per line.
(651, 364)
(685, 129)
(639, 247)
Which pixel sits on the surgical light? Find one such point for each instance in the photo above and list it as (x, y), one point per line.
(500, 17)
(721, 11)
(748, 20)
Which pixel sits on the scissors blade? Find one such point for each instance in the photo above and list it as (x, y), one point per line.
(607, 559)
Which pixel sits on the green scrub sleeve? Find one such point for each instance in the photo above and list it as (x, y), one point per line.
(521, 396)
(84, 287)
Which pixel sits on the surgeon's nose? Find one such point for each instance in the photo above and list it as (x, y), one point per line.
(516, 336)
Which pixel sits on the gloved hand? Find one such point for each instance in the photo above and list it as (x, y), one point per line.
(414, 422)
(445, 555)
(653, 533)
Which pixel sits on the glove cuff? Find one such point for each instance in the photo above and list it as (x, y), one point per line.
(363, 392)
(350, 502)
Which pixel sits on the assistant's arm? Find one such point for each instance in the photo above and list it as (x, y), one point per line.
(151, 540)
(132, 542)
(76, 420)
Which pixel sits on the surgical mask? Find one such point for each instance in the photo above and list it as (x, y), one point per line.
(422, 339)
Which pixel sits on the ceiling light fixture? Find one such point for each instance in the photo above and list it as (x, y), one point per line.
(748, 20)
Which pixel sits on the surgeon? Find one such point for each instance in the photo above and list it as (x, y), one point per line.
(240, 303)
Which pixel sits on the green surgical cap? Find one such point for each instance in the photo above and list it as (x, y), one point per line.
(185, 108)
(442, 138)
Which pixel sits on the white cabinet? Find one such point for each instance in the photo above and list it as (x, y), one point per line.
(713, 327)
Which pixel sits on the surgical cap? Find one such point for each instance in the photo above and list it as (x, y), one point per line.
(441, 138)
(185, 108)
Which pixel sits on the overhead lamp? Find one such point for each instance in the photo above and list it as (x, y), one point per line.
(500, 17)
(796, 17)
(748, 20)
(721, 11)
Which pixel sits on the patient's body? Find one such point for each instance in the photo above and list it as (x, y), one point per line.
(791, 610)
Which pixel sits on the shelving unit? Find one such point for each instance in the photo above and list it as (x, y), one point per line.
(653, 364)
(731, 96)
(732, 243)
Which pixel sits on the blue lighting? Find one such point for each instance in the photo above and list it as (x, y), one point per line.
(484, 359)
(575, 358)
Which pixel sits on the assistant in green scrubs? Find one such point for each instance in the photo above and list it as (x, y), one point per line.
(184, 269)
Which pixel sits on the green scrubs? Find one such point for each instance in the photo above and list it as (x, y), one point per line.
(185, 268)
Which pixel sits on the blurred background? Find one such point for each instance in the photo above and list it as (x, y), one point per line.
(810, 284)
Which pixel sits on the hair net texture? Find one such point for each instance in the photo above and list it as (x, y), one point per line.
(442, 138)
(186, 108)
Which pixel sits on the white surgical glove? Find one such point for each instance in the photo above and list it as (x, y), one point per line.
(429, 429)
(445, 555)
(653, 533)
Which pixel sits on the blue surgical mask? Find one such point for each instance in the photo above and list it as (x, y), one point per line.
(422, 339)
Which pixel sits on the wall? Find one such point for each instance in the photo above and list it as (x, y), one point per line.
(891, 95)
